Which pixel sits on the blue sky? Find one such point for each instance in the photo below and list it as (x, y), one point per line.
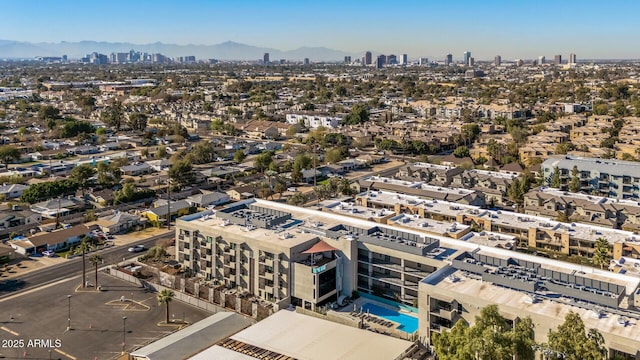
(513, 29)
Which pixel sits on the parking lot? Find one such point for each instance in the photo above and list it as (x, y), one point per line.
(30, 320)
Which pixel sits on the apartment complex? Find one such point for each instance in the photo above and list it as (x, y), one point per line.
(309, 258)
(612, 178)
(546, 291)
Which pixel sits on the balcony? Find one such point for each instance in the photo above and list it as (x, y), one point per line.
(267, 262)
(268, 276)
(446, 314)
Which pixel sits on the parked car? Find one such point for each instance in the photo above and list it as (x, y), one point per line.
(48, 253)
(136, 248)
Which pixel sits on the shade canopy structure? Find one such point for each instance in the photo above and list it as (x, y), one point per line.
(319, 247)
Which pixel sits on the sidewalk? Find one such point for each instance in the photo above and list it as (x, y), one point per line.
(22, 266)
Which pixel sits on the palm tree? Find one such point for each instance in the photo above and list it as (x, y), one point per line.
(82, 249)
(96, 259)
(165, 297)
(280, 187)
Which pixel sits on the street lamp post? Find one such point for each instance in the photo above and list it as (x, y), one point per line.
(69, 314)
(124, 332)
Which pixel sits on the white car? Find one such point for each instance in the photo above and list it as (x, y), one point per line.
(48, 253)
(136, 248)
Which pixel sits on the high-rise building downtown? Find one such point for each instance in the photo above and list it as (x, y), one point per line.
(404, 59)
(572, 58)
(557, 60)
(541, 60)
(368, 58)
(471, 62)
(347, 60)
(265, 58)
(497, 60)
(448, 60)
(465, 57)
(392, 59)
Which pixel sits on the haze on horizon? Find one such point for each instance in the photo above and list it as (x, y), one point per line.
(513, 29)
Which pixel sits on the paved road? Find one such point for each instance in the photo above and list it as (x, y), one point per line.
(71, 267)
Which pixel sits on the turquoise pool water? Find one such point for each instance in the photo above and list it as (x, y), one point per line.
(408, 324)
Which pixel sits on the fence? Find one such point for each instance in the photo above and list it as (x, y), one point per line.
(203, 297)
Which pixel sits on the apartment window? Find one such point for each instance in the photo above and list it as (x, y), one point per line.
(233, 246)
(209, 239)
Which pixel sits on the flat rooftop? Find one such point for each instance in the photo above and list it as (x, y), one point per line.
(305, 337)
(313, 224)
(501, 217)
(350, 209)
(194, 338)
(441, 228)
(594, 316)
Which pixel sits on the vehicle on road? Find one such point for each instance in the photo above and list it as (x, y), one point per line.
(136, 248)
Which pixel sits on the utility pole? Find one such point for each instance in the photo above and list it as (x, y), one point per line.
(315, 174)
(169, 202)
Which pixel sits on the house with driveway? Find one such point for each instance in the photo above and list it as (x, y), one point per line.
(50, 241)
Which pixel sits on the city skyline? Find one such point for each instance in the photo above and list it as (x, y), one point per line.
(512, 30)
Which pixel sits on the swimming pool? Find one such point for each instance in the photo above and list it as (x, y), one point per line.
(408, 324)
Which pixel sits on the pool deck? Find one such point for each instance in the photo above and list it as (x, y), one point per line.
(370, 321)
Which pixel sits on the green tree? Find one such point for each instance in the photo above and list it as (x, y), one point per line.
(298, 199)
(138, 121)
(47, 190)
(202, 152)
(95, 260)
(280, 186)
(601, 255)
(161, 152)
(490, 337)
(335, 155)
(239, 156)
(495, 150)
(9, 154)
(515, 192)
(72, 128)
(83, 247)
(461, 151)
(113, 114)
(48, 113)
(574, 184)
(262, 161)
(470, 132)
(81, 175)
(571, 339)
(600, 108)
(564, 147)
(165, 297)
(182, 173)
(296, 172)
(454, 344)
(359, 114)
(555, 178)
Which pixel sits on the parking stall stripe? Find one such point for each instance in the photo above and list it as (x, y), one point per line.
(9, 331)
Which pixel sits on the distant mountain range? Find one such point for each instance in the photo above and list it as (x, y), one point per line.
(224, 51)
